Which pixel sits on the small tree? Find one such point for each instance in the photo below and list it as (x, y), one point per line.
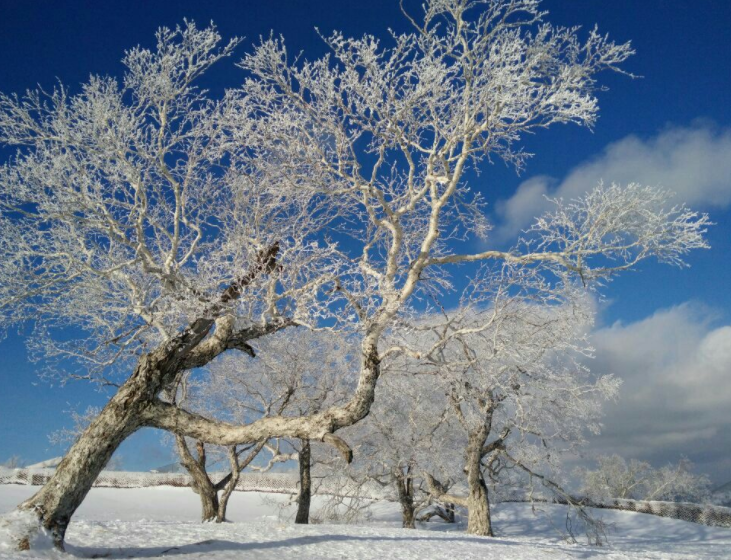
(14, 462)
(614, 477)
(299, 374)
(407, 432)
(510, 357)
(213, 506)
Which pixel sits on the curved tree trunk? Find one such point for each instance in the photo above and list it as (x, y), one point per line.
(305, 495)
(56, 502)
(123, 415)
(231, 481)
(136, 405)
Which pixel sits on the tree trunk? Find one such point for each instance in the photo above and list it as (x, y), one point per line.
(209, 504)
(305, 494)
(127, 411)
(123, 415)
(56, 502)
(231, 483)
(478, 503)
(405, 485)
(200, 481)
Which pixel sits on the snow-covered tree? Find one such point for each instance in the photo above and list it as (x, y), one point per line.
(214, 494)
(408, 431)
(170, 228)
(509, 358)
(139, 245)
(295, 373)
(614, 477)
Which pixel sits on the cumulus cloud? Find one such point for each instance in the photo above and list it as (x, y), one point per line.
(694, 162)
(676, 395)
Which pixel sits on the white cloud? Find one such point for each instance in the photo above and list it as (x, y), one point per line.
(694, 162)
(676, 395)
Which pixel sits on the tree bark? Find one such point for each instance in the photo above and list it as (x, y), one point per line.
(209, 504)
(200, 481)
(56, 502)
(230, 484)
(405, 486)
(479, 521)
(305, 494)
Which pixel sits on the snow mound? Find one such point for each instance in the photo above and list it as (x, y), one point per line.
(19, 529)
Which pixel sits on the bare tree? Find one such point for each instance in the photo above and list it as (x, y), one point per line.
(176, 228)
(213, 506)
(407, 432)
(512, 354)
(13, 462)
(297, 373)
(614, 477)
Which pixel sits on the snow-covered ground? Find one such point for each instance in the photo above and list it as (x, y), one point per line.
(162, 522)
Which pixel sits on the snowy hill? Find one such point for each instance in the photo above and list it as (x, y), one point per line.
(162, 522)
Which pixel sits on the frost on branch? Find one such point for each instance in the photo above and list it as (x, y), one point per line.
(617, 227)
(126, 212)
(615, 477)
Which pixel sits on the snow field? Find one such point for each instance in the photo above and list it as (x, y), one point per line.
(163, 522)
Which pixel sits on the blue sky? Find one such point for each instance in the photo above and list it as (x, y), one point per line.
(671, 127)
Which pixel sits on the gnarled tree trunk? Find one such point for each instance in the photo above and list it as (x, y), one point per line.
(477, 502)
(56, 502)
(305, 494)
(124, 414)
(200, 481)
(479, 521)
(405, 486)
